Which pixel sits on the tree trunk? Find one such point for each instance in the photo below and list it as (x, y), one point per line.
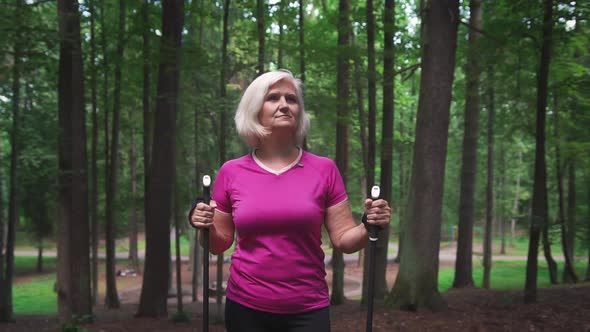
(73, 270)
(569, 275)
(487, 243)
(570, 226)
(94, 156)
(111, 297)
(281, 34)
(260, 28)
(301, 42)
(515, 202)
(500, 198)
(133, 221)
(342, 131)
(588, 234)
(6, 305)
(464, 261)
(539, 216)
(416, 285)
(39, 268)
(178, 260)
(3, 285)
(551, 265)
(146, 96)
(371, 125)
(386, 180)
(154, 288)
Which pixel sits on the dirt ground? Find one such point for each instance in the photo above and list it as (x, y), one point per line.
(562, 308)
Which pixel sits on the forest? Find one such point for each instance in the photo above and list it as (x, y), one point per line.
(471, 115)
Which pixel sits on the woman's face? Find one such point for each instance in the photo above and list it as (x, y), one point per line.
(280, 110)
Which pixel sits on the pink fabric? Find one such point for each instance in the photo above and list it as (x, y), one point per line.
(278, 263)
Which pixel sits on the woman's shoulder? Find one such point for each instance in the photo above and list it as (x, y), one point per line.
(237, 162)
(317, 161)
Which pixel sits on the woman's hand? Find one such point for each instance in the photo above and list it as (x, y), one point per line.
(202, 216)
(378, 212)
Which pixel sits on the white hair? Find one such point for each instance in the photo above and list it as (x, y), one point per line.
(247, 123)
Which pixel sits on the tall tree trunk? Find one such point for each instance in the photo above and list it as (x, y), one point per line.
(417, 280)
(111, 297)
(146, 96)
(539, 216)
(386, 180)
(94, 153)
(73, 270)
(342, 144)
(515, 202)
(261, 31)
(3, 224)
(154, 288)
(551, 264)
(569, 275)
(133, 221)
(6, 305)
(588, 232)
(501, 214)
(301, 41)
(371, 140)
(178, 260)
(281, 34)
(487, 243)
(464, 262)
(570, 226)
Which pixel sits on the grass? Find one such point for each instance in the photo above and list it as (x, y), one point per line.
(28, 264)
(36, 296)
(507, 275)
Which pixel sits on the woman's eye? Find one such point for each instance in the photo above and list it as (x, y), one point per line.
(292, 99)
(272, 97)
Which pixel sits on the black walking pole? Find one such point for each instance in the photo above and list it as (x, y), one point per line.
(207, 199)
(373, 230)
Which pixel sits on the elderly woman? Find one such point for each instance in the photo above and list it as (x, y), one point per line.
(276, 199)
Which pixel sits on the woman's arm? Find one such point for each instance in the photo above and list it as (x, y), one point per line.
(345, 235)
(221, 226)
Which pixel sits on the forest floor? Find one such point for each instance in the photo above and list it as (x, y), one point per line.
(561, 308)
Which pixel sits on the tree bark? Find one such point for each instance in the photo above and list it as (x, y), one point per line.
(154, 288)
(94, 154)
(464, 261)
(73, 270)
(539, 216)
(570, 223)
(569, 275)
(551, 264)
(386, 180)
(146, 96)
(281, 34)
(416, 285)
(134, 220)
(6, 305)
(3, 224)
(487, 244)
(111, 297)
(342, 131)
(301, 42)
(260, 28)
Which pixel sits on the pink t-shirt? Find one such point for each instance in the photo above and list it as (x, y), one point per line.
(278, 263)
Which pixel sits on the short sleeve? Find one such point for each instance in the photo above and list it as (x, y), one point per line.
(221, 190)
(336, 191)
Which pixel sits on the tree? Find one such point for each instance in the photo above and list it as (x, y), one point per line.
(112, 298)
(301, 42)
(371, 142)
(261, 30)
(416, 284)
(342, 109)
(539, 212)
(154, 288)
(6, 310)
(94, 153)
(73, 270)
(487, 243)
(463, 262)
(386, 143)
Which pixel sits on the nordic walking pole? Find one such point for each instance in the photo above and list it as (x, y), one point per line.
(373, 230)
(207, 199)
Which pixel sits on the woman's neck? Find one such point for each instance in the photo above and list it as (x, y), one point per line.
(277, 153)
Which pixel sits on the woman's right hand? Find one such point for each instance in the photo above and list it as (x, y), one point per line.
(202, 216)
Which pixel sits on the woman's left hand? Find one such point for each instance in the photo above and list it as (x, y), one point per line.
(378, 212)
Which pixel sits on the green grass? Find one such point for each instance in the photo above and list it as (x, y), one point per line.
(28, 264)
(36, 297)
(506, 274)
